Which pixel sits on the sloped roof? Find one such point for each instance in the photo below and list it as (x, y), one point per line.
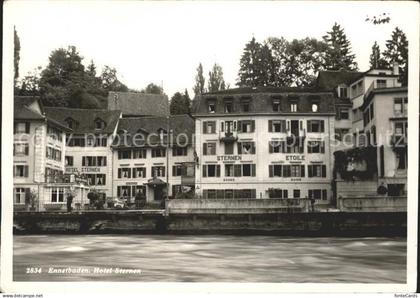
(85, 118)
(261, 99)
(138, 104)
(329, 79)
(22, 110)
(182, 126)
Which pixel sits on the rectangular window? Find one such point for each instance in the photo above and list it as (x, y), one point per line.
(20, 149)
(139, 172)
(209, 127)
(20, 194)
(158, 171)
(124, 173)
(57, 195)
(277, 146)
(177, 170)
(343, 92)
(315, 125)
(20, 171)
(245, 106)
(380, 83)
(297, 171)
(124, 154)
(246, 148)
(229, 171)
(275, 170)
(400, 106)
(276, 125)
(228, 106)
(139, 153)
(317, 194)
(101, 161)
(21, 127)
(228, 148)
(124, 191)
(316, 147)
(277, 193)
(209, 148)
(212, 106)
(343, 114)
(317, 171)
(158, 152)
(296, 193)
(276, 105)
(228, 126)
(293, 107)
(246, 126)
(179, 151)
(69, 161)
(211, 170)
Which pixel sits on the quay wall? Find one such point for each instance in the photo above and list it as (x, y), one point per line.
(137, 222)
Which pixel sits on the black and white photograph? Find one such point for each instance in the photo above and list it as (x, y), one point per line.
(170, 144)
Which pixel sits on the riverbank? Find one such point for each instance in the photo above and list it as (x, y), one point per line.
(349, 224)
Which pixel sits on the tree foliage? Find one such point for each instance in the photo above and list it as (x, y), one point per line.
(338, 53)
(152, 89)
(200, 82)
(180, 103)
(397, 51)
(376, 60)
(16, 55)
(250, 71)
(110, 80)
(216, 81)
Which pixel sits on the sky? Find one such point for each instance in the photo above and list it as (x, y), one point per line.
(163, 42)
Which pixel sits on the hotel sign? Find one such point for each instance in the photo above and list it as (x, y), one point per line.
(295, 157)
(229, 157)
(83, 170)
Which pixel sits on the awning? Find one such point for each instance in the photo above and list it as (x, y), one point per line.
(155, 182)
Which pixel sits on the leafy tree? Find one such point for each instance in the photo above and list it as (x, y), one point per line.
(375, 60)
(152, 89)
(249, 66)
(279, 48)
(16, 54)
(338, 54)
(216, 81)
(397, 51)
(266, 66)
(110, 80)
(180, 103)
(380, 19)
(29, 85)
(199, 87)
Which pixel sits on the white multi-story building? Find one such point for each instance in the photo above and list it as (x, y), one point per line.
(38, 159)
(88, 146)
(264, 143)
(144, 161)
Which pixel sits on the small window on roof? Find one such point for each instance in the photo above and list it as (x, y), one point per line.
(228, 105)
(99, 123)
(71, 123)
(245, 104)
(211, 103)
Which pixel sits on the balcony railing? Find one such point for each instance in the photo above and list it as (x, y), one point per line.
(398, 141)
(228, 137)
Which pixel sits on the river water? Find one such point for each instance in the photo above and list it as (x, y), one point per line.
(168, 258)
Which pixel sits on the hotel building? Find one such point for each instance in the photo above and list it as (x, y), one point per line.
(148, 159)
(265, 143)
(88, 146)
(38, 159)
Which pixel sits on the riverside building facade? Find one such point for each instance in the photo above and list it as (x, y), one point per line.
(88, 147)
(154, 156)
(264, 143)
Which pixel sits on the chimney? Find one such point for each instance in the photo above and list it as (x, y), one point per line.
(395, 68)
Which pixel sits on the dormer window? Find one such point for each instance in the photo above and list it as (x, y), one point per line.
(99, 123)
(275, 104)
(71, 123)
(315, 107)
(342, 92)
(228, 106)
(380, 83)
(212, 106)
(245, 105)
(293, 107)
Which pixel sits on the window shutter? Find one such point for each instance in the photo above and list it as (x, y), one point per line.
(324, 171)
(144, 172)
(253, 148)
(300, 124)
(252, 125)
(234, 125)
(324, 194)
(25, 169)
(322, 147)
(118, 191)
(173, 170)
(14, 171)
(104, 161)
(204, 170)
(163, 172)
(218, 171)
(253, 193)
(222, 126)
(119, 173)
(27, 126)
(240, 126)
(270, 147)
(285, 194)
(253, 170)
(310, 174)
(302, 171)
(310, 193)
(270, 125)
(283, 125)
(83, 161)
(204, 148)
(239, 148)
(270, 171)
(287, 125)
(322, 125)
(237, 170)
(204, 126)
(213, 128)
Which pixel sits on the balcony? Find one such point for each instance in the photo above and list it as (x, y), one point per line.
(398, 141)
(228, 137)
(380, 85)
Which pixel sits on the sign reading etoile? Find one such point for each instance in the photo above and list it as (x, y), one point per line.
(295, 157)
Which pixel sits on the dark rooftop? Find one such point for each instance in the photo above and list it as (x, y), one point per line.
(23, 111)
(138, 104)
(150, 127)
(84, 118)
(329, 79)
